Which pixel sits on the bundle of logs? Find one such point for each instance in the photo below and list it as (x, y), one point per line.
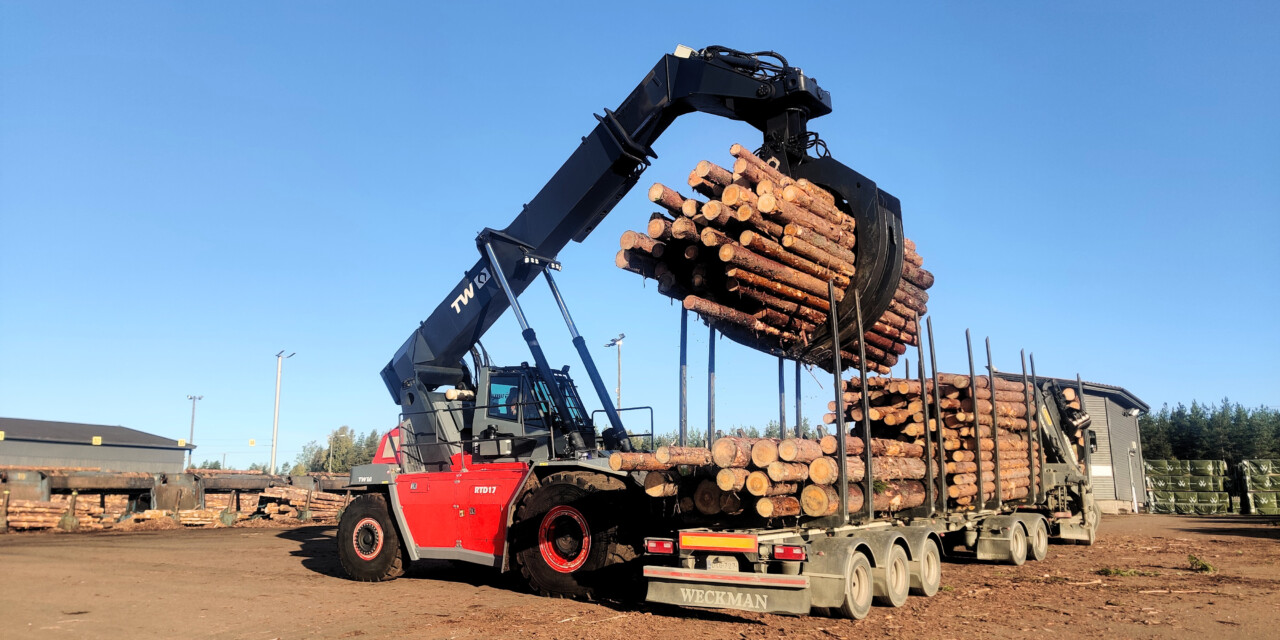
(773, 478)
(292, 502)
(40, 514)
(896, 408)
(755, 257)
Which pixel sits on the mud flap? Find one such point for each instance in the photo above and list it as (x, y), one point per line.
(768, 593)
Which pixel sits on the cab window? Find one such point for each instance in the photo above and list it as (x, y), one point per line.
(504, 397)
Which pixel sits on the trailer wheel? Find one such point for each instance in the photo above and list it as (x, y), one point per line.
(858, 588)
(897, 579)
(1039, 540)
(1093, 529)
(368, 543)
(1017, 545)
(929, 580)
(566, 536)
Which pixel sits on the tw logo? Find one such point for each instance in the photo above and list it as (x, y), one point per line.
(470, 291)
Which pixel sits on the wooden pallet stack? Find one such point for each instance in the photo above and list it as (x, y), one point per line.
(755, 257)
(896, 408)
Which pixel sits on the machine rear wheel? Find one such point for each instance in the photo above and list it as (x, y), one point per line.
(368, 543)
(1039, 541)
(858, 588)
(566, 536)
(897, 579)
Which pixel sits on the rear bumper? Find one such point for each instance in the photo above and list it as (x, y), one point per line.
(770, 593)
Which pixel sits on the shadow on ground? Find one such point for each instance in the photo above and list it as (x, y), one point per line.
(319, 553)
(1265, 527)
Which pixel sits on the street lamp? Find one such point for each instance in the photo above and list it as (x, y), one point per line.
(192, 435)
(1133, 489)
(275, 422)
(617, 342)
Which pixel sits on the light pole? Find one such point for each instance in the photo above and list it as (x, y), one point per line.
(275, 422)
(192, 435)
(1133, 490)
(617, 342)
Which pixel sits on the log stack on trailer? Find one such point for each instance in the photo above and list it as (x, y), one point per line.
(752, 254)
(961, 418)
(753, 478)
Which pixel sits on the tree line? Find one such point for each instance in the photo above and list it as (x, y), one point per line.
(343, 449)
(1226, 431)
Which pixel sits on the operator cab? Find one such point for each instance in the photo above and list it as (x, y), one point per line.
(511, 417)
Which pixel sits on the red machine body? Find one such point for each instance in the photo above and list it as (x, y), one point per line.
(464, 509)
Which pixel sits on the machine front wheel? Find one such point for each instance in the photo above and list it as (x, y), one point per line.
(566, 535)
(368, 543)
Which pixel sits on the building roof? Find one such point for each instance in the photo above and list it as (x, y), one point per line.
(1122, 395)
(77, 433)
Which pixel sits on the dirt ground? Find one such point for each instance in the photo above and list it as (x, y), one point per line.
(285, 583)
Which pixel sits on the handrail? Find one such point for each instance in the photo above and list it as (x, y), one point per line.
(652, 438)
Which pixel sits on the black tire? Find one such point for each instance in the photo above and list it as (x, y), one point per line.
(897, 579)
(929, 580)
(368, 542)
(1017, 546)
(1039, 540)
(568, 536)
(858, 588)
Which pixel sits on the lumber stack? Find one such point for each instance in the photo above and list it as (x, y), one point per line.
(107, 506)
(896, 408)
(752, 253)
(41, 514)
(771, 477)
(291, 502)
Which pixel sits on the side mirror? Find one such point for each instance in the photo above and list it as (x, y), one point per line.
(1093, 441)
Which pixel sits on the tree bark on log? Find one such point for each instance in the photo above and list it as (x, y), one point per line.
(799, 450)
(826, 470)
(740, 257)
(733, 479)
(673, 455)
(778, 506)
(666, 197)
(661, 484)
(620, 461)
(763, 452)
(824, 500)
(706, 498)
(732, 452)
(786, 291)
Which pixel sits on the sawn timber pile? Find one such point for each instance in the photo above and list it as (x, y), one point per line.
(754, 478)
(755, 257)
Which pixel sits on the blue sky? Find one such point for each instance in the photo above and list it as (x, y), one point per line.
(186, 190)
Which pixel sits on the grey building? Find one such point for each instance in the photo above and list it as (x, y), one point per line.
(1116, 474)
(41, 443)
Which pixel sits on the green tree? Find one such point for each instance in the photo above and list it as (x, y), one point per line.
(210, 464)
(1226, 431)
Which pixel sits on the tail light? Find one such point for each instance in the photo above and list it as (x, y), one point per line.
(664, 546)
(785, 552)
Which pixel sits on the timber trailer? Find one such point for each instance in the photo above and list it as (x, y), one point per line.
(501, 466)
(838, 565)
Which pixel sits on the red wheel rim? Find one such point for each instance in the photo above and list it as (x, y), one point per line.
(562, 532)
(366, 539)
